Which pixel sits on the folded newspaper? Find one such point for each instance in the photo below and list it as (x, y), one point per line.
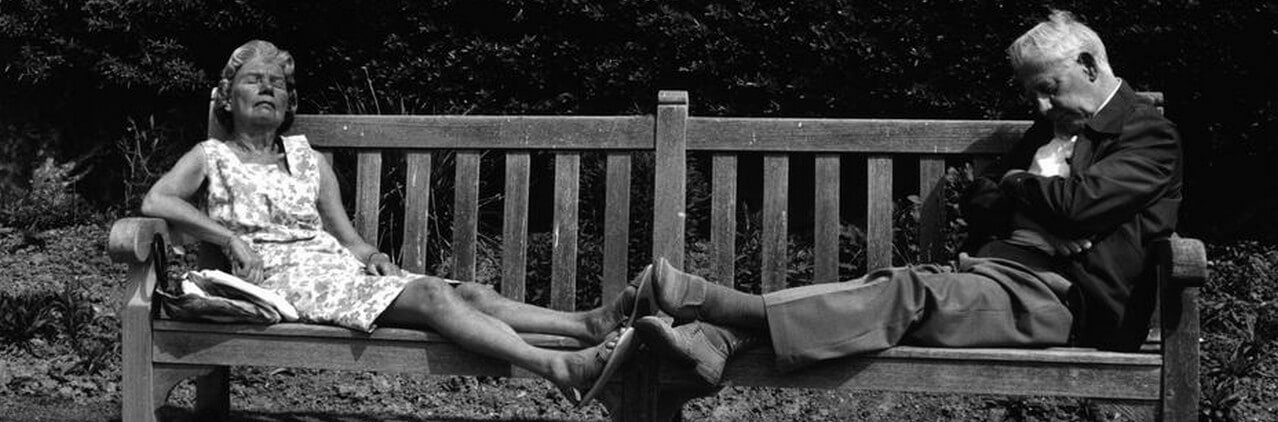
(212, 295)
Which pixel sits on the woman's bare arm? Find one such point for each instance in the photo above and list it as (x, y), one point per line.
(170, 199)
(339, 225)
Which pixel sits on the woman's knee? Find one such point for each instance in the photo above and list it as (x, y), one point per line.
(429, 295)
(474, 293)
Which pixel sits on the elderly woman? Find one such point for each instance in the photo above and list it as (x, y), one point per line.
(274, 207)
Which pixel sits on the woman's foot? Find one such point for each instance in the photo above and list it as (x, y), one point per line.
(581, 375)
(607, 319)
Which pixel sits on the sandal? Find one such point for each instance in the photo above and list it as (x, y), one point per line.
(626, 346)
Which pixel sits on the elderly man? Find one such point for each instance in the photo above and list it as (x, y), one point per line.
(1077, 275)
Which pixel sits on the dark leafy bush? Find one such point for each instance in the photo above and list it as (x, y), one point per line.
(51, 201)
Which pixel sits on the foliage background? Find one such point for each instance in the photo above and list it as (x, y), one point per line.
(99, 96)
(77, 76)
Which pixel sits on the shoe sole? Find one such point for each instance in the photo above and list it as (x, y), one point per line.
(626, 346)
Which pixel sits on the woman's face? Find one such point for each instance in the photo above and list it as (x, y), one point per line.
(259, 96)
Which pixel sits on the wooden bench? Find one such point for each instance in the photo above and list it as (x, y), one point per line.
(159, 353)
(1161, 382)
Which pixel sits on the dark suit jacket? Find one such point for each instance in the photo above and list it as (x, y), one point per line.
(1123, 192)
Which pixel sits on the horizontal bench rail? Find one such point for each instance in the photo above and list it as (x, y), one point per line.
(1014, 372)
(486, 132)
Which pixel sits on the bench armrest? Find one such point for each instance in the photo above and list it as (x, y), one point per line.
(133, 241)
(131, 238)
(1185, 260)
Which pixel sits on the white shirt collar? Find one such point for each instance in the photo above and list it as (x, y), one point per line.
(1111, 95)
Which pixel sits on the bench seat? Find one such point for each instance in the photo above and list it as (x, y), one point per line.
(1069, 372)
(327, 347)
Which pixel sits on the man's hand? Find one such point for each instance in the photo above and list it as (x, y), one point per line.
(380, 264)
(1049, 243)
(1070, 247)
(245, 263)
(1011, 172)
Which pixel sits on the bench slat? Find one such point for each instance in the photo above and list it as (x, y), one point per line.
(670, 177)
(776, 197)
(563, 273)
(895, 136)
(417, 190)
(826, 227)
(514, 247)
(368, 194)
(723, 218)
(317, 346)
(878, 225)
(474, 132)
(932, 213)
(974, 371)
(465, 214)
(616, 226)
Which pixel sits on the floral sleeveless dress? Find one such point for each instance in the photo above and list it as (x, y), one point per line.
(275, 212)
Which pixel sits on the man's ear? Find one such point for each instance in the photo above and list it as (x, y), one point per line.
(1088, 61)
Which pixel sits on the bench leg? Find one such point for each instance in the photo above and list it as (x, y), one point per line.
(212, 395)
(1114, 410)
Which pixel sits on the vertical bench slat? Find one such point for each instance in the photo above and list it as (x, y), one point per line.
(514, 247)
(826, 226)
(416, 210)
(616, 225)
(932, 215)
(465, 213)
(368, 189)
(670, 177)
(723, 218)
(776, 193)
(563, 273)
(878, 225)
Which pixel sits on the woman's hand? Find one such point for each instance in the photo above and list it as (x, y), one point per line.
(245, 263)
(380, 264)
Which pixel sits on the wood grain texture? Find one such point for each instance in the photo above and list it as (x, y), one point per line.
(878, 225)
(465, 214)
(616, 256)
(723, 218)
(853, 135)
(314, 346)
(417, 193)
(563, 271)
(826, 213)
(1182, 269)
(477, 132)
(775, 254)
(138, 386)
(514, 246)
(368, 194)
(131, 238)
(981, 371)
(670, 177)
(932, 209)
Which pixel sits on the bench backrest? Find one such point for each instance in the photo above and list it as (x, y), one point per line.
(884, 145)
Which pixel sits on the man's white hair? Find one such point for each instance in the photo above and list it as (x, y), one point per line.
(1059, 38)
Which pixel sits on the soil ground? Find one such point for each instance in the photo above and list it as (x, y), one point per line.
(42, 379)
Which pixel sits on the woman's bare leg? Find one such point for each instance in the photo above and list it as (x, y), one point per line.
(433, 304)
(591, 326)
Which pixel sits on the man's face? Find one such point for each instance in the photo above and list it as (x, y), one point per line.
(1065, 92)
